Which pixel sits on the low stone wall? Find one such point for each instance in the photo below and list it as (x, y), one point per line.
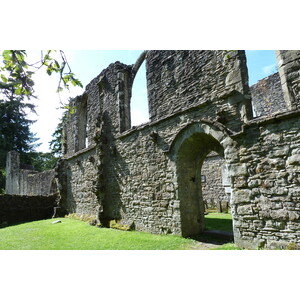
(267, 96)
(16, 209)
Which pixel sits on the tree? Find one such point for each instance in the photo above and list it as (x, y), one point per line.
(57, 141)
(15, 133)
(42, 161)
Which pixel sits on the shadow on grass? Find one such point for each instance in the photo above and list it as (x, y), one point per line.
(213, 237)
(11, 224)
(215, 222)
(218, 230)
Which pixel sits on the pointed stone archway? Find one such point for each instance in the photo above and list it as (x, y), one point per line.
(188, 150)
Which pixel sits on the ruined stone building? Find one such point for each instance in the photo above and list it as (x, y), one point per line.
(201, 115)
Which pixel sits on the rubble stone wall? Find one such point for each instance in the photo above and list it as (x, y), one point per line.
(216, 193)
(267, 96)
(265, 198)
(80, 185)
(123, 181)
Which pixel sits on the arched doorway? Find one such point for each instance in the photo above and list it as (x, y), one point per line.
(190, 148)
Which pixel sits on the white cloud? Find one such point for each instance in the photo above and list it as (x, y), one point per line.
(270, 69)
(138, 117)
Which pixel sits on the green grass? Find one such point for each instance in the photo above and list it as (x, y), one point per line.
(218, 221)
(77, 235)
(73, 234)
(227, 246)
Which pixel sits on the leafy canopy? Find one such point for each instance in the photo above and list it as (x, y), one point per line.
(16, 72)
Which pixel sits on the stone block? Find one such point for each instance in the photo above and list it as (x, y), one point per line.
(293, 216)
(237, 170)
(240, 196)
(233, 77)
(280, 214)
(294, 160)
(245, 210)
(240, 182)
(254, 183)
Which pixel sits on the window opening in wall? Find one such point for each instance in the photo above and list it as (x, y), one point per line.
(139, 99)
(264, 82)
(261, 64)
(86, 137)
(82, 124)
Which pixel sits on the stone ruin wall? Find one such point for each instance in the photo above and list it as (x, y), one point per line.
(78, 184)
(21, 181)
(30, 195)
(267, 99)
(216, 190)
(267, 96)
(136, 179)
(181, 83)
(265, 201)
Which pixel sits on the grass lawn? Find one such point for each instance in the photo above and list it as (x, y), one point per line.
(73, 234)
(76, 235)
(218, 221)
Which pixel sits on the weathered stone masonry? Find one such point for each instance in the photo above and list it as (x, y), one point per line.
(134, 171)
(149, 177)
(21, 181)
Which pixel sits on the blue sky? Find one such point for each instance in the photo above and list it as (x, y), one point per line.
(87, 64)
(260, 63)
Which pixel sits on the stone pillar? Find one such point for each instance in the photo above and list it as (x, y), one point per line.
(12, 186)
(236, 82)
(123, 92)
(289, 72)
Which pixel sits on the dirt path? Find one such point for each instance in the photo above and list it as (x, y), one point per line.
(203, 246)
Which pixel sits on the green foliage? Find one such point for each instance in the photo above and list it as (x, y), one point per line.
(2, 181)
(15, 134)
(115, 224)
(57, 141)
(41, 161)
(292, 246)
(228, 246)
(14, 129)
(16, 72)
(83, 217)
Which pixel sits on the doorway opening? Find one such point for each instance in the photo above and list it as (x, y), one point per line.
(196, 222)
